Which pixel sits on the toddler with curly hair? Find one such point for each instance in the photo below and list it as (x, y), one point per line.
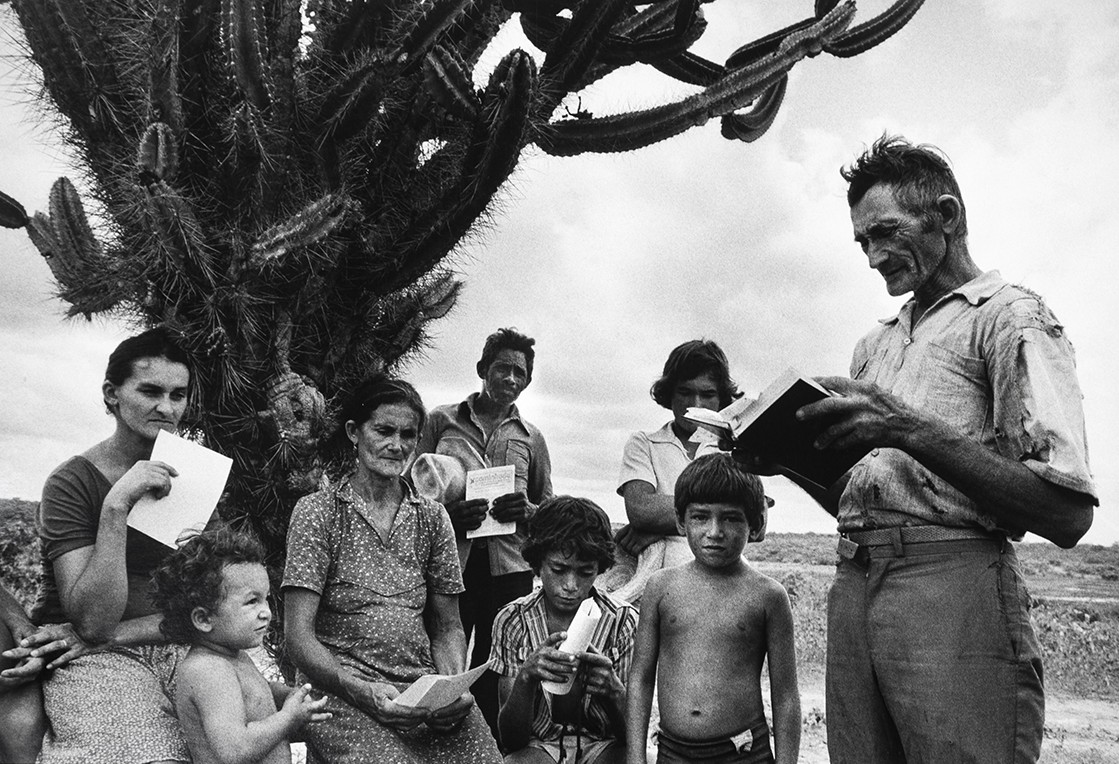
(213, 594)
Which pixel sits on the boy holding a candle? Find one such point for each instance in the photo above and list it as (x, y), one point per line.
(564, 704)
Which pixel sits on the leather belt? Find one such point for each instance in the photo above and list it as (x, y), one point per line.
(915, 534)
(911, 540)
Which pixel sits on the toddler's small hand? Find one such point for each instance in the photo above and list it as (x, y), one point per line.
(304, 707)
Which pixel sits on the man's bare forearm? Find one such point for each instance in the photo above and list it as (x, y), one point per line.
(1008, 490)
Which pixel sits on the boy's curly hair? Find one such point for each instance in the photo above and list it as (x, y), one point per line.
(572, 526)
(191, 577)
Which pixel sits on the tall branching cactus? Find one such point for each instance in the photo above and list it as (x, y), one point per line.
(282, 180)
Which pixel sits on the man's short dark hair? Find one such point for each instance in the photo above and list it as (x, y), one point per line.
(718, 479)
(570, 526)
(191, 576)
(688, 361)
(918, 174)
(506, 339)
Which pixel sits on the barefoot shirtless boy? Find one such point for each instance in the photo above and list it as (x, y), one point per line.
(213, 594)
(706, 628)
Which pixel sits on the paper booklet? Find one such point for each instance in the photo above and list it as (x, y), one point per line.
(488, 484)
(579, 635)
(434, 691)
(194, 491)
(769, 428)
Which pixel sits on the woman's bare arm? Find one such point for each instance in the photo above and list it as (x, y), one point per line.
(448, 650)
(93, 581)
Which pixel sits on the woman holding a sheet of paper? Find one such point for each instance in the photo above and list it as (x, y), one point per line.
(113, 702)
(371, 591)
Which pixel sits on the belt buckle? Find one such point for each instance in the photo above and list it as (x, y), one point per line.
(847, 548)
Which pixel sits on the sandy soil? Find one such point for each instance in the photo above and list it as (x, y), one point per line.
(1077, 731)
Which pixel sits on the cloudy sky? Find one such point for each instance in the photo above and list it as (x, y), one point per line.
(610, 261)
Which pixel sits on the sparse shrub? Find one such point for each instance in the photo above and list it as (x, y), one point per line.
(19, 549)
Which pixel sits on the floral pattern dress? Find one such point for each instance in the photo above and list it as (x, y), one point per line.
(373, 593)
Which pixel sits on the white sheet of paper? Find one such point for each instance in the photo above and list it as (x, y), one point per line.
(194, 492)
(434, 691)
(489, 484)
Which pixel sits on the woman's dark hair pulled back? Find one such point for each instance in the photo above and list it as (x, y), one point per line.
(688, 361)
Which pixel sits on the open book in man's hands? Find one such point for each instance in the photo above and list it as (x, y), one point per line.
(434, 691)
(768, 428)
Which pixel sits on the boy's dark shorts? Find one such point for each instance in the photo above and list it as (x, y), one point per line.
(751, 746)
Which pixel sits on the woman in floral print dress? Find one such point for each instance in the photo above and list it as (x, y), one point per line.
(371, 591)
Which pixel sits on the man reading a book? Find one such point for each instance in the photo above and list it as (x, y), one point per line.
(487, 430)
(969, 403)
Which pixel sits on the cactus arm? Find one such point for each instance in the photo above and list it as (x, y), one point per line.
(12, 213)
(341, 29)
(661, 30)
(394, 325)
(157, 157)
(691, 69)
(165, 104)
(73, 236)
(178, 233)
(751, 125)
(200, 67)
(575, 49)
(419, 31)
(246, 50)
(482, 23)
(824, 7)
(75, 257)
(41, 233)
(449, 83)
(58, 55)
(765, 46)
(349, 105)
(288, 26)
(659, 33)
(306, 228)
(494, 146)
(865, 36)
(108, 104)
(626, 132)
(542, 30)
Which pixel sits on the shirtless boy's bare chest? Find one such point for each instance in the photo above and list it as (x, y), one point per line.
(695, 614)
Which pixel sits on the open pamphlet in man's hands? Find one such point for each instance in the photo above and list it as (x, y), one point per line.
(434, 691)
(194, 491)
(768, 428)
(489, 483)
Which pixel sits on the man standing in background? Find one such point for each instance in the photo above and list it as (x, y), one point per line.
(486, 430)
